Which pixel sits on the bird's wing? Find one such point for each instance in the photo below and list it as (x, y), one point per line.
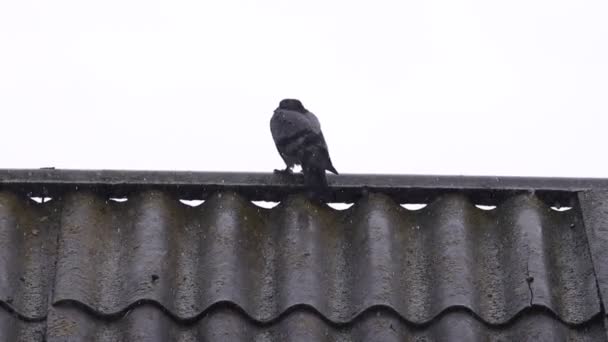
(314, 123)
(317, 147)
(285, 124)
(299, 135)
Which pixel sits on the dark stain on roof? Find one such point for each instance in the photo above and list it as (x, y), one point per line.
(83, 267)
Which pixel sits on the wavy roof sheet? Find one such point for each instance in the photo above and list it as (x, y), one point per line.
(83, 267)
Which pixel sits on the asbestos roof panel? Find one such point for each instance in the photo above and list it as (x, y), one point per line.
(92, 268)
(28, 238)
(594, 205)
(300, 253)
(148, 323)
(14, 329)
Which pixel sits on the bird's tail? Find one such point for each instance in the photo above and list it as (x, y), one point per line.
(332, 169)
(327, 164)
(315, 178)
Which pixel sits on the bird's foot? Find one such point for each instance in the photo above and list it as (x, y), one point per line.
(286, 171)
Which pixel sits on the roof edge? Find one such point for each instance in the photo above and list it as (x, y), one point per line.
(269, 186)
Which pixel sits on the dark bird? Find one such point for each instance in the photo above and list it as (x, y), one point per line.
(298, 137)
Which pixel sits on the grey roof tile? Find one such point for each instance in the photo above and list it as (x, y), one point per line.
(152, 268)
(14, 329)
(28, 236)
(594, 207)
(222, 323)
(451, 254)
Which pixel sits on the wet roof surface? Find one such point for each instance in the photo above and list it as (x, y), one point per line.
(84, 267)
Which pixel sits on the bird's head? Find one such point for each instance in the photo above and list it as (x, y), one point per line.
(292, 104)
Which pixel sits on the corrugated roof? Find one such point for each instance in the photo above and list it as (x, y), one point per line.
(148, 323)
(82, 267)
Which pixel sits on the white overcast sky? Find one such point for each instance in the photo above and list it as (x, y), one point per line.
(417, 87)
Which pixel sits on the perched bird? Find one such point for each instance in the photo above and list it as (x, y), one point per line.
(297, 134)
